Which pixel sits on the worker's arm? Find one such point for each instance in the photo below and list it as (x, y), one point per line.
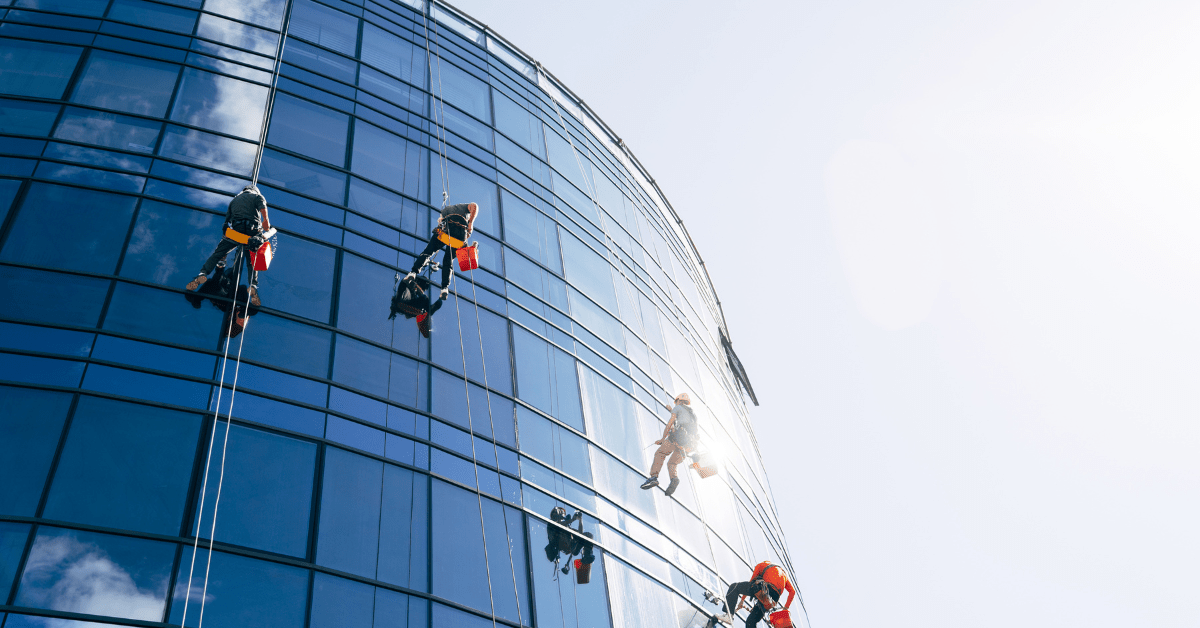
(791, 591)
(266, 219)
(474, 209)
(666, 431)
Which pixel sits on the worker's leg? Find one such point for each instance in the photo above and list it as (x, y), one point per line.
(660, 456)
(755, 615)
(223, 248)
(430, 248)
(735, 591)
(673, 464)
(447, 266)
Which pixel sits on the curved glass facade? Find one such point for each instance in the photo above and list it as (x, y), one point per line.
(372, 477)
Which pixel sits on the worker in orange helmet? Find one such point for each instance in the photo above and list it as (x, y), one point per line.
(766, 584)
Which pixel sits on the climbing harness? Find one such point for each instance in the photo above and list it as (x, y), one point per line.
(260, 259)
(445, 177)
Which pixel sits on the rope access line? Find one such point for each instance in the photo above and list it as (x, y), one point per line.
(237, 264)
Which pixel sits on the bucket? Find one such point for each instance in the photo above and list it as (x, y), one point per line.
(262, 257)
(468, 257)
(781, 619)
(583, 572)
(705, 464)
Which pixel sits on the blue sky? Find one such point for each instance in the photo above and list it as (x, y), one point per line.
(956, 243)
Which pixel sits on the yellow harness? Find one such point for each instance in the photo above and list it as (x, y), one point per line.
(236, 236)
(444, 238)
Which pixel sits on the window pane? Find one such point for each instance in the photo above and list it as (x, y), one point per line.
(404, 529)
(220, 103)
(393, 55)
(77, 7)
(300, 176)
(266, 13)
(531, 232)
(300, 281)
(546, 378)
(468, 187)
(462, 90)
(12, 544)
(26, 118)
(589, 272)
(560, 601)
(447, 617)
(397, 610)
(267, 493)
(125, 466)
(72, 228)
(611, 418)
(341, 603)
(175, 319)
(205, 149)
(289, 344)
(32, 422)
(520, 125)
(97, 574)
(324, 26)
(638, 601)
(459, 573)
(349, 527)
(505, 529)
(554, 444)
(153, 15)
(363, 301)
(243, 592)
(66, 299)
(170, 243)
(108, 129)
(309, 129)
(486, 343)
(126, 83)
(35, 69)
(389, 159)
(239, 35)
(388, 207)
(361, 366)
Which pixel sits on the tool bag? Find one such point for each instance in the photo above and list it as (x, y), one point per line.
(781, 619)
(705, 464)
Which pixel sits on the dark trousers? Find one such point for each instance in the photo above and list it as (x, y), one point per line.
(434, 246)
(744, 588)
(223, 248)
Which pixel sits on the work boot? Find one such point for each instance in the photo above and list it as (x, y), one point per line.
(651, 483)
(672, 486)
(410, 276)
(725, 618)
(197, 282)
(445, 292)
(254, 300)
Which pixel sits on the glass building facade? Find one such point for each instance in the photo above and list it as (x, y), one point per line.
(370, 477)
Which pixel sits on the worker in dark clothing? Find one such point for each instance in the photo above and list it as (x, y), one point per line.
(560, 540)
(679, 437)
(247, 215)
(221, 293)
(766, 584)
(454, 227)
(412, 301)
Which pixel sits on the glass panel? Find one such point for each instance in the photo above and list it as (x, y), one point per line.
(108, 129)
(13, 537)
(125, 466)
(567, 159)
(324, 26)
(620, 483)
(531, 232)
(32, 422)
(220, 103)
(404, 529)
(267, 492)
(360, 365)
(97, 574)
(309, 129)
(560, 600)
(297, 175)
(76, 7)
(393, 55)
(447, 617)
(266, 13)
(290, 345)
(638, 601)
(238, 35)
(458, 569)
(341, 603)
(520, 125)
(546, 378)
(388, 207)
(462, 90)
(300, 281)
(169, 243)
(125, 83)
(491, 362)
(389, 159)
(468, 187)
(554, 444)
(26, 118)
(392, 91)
(86, 232)
(153, 15)
(38, 69)
(589, 272)
(65, 299)
(350, 506)
(612, 420)
(397, 610)
(366, 290)
(243, 592)
(205, 149)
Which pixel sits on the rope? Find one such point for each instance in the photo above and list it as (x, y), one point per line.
(262, 134)
(438, 127)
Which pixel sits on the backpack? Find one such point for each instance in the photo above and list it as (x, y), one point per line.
(686, 431)
(409, 300)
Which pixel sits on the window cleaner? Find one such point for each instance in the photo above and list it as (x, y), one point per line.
(247, 225)
(679, 437)
(454, 227)
(220, 291)
(412, 300)
(766, 584)
(560, 540)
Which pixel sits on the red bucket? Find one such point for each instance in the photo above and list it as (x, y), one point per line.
(468, 257)
(781, 619)
(262, 257)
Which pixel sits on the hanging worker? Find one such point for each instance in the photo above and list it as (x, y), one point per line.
(560, 540)
(412, 301)
(766, 584)
(247, 215)
(454, 227)
(679, 437)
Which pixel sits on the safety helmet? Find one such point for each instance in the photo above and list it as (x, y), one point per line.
(250, 188)
(683, 398)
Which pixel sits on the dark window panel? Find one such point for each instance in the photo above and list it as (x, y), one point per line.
(388, 207)
(227, 67)
(108, 129)
(125, 466)
(146, 386)
(322, 62)
(390, 159)
(141, 48)
(23, 146)
(96, 157)
(64, 299)
(125, 83)
(135, 34)
(169, 243)
(45, 339)
(301, 176)
(341, 603)
(601, 323)
(300, 280)
(99, 574)
(361, 366)
(12, 167)
(468, 187)
(409, 380)
(86, 232)
(370, 248)
(76, 7)
(288, 344)
(531, 231)
(366, 290)
(358, 406)
(280, 198)
(393, 55)
(35, 370)
(459, 573)
(13, 537)
(174, 319)
(264, 63)
(275, 413)
(153, 356)
(267, 492)
(589, 271)
(26, 118)
(252, 377)
(309, 129)
(39, 69)
(242, 592)
(554, 444)
(92, 177)
(397, 610)
(561, 602)
(546, 378)
(32, 422)
(520, 125)
(396, 96)
(187, 195)
(354, 435)
(450, 402)
(324, 26)
(154, 15)
(486, 343)
(350, 507)
(220, 103)
(538, 282)
(265, 13)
